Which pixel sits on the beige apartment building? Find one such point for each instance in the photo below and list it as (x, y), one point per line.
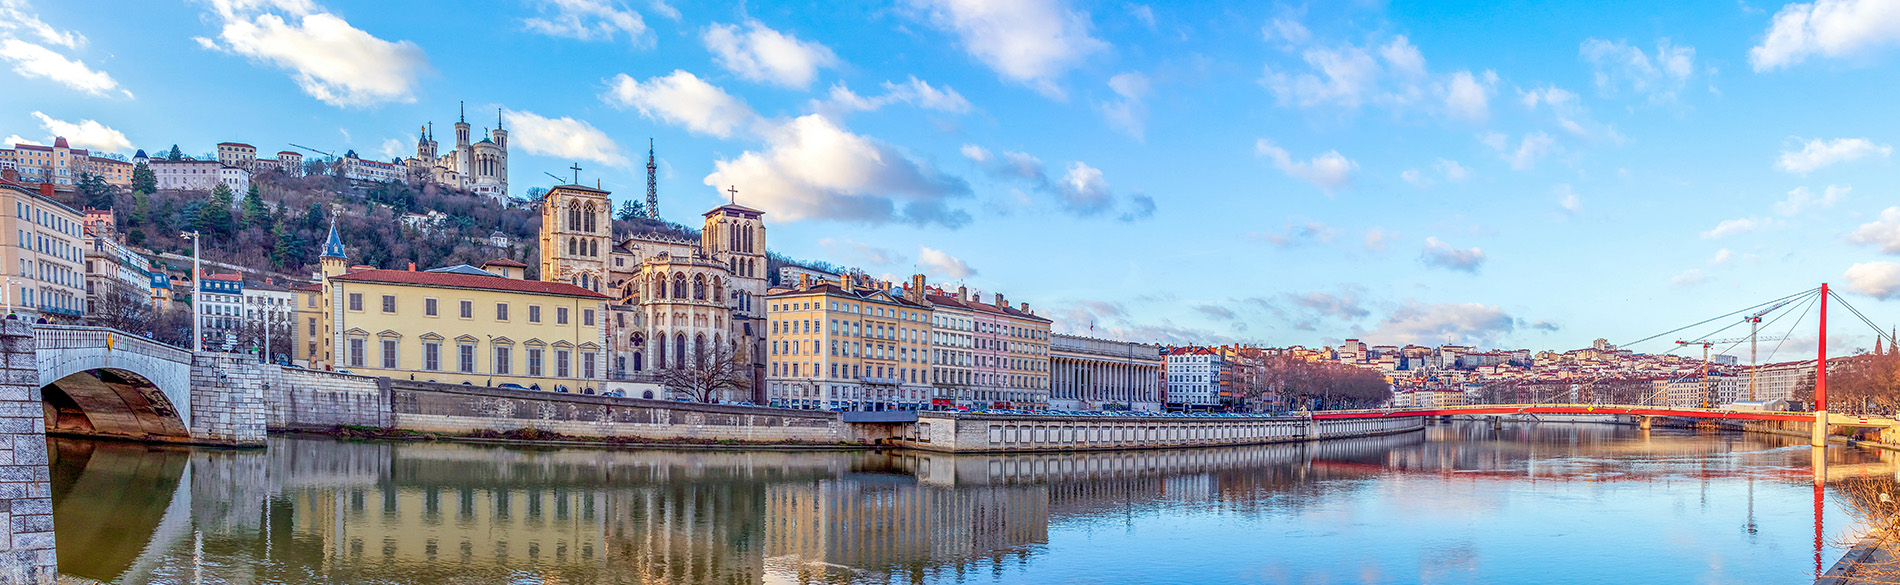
(849, 345)
(42, 254)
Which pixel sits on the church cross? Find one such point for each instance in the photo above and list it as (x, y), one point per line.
(734, 192)
(577, 172)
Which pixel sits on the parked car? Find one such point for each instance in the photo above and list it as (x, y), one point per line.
(511, 386)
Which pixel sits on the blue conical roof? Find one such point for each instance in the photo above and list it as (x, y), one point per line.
(333, 246)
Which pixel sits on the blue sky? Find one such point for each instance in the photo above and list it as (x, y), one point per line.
(1491, 173)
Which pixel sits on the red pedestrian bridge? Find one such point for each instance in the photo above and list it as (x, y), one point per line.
(1614, 409)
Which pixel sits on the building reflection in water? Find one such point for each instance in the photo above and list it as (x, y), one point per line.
(315, 510)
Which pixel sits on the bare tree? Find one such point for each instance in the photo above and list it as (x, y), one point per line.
(121, 308)
(720, 368)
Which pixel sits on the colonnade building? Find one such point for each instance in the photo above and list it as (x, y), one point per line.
(1100, 374)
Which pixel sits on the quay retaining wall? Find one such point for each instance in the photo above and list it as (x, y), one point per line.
(980, 433)
(304, 399)
(451, 408)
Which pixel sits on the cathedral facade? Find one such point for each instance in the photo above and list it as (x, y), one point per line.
(675, 299)
(480, 167)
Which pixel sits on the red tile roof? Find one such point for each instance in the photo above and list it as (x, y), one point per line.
(472, 281)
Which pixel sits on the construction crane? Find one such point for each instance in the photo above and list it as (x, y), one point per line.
(313, 150)
(1707, 343)
(1754, 325)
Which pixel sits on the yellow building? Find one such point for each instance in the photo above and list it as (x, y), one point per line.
(460, 325)
(60, 164)
(41, 254)
(851, 346)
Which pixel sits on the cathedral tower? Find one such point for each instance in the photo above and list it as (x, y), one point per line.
(576, 236)
(734, 235)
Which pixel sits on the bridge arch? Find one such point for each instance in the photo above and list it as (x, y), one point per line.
(98, 381)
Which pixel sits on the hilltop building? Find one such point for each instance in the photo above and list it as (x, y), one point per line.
(481, 166)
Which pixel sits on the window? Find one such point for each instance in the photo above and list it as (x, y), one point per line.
(389, 303)
(534, 313)
(534, 361)
(466, 359)
(356, 301)
(501, 311)
(502, 365)
(560, 363)
(560, 315)
(428, 307)
(356, 353)
(432, 356)
(468, 309)
(587, 317)
(313, 326)
(587, 365)
(389, 354)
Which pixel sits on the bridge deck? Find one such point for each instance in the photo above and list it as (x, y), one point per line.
(1711, 413)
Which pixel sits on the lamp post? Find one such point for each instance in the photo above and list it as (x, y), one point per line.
(197, 296)
(8, 293)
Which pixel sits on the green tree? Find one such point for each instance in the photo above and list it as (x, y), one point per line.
(94, 192)
(255, 214)
(175, 154)
(285, 247)
(143, 179)
(631, 210)
(141, 208)
(214, 217)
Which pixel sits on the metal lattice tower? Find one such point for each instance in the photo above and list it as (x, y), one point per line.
(653, 188)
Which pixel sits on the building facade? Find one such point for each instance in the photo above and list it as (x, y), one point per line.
(1101, 374)
(220, 305)
(63, 165)
(460, 325)
(849, 345)
(237, 155)
(114, 273)
(1193, 378)
(481, 166)
(42, 255)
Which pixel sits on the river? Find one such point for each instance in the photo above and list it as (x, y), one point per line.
(1456, 503)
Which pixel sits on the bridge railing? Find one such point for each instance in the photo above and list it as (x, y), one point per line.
(56, 337)
(1607, 408)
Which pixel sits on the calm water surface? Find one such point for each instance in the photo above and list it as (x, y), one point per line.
(1533, 503)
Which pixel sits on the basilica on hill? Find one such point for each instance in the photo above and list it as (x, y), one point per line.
(674, 298)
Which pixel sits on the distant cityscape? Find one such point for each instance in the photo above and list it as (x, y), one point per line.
(618, 313)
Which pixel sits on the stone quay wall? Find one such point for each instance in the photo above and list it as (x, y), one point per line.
(453, 408)
(978, 433)
(228, 406)
(304, 399)
(26, 489)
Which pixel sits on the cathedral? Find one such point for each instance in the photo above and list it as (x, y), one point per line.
(674, 298)
(481, 167)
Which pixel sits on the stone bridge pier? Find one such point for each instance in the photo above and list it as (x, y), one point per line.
(26, 488)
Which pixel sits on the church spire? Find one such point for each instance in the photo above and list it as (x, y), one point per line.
(498, 118)
(333, 246)
(463, 116)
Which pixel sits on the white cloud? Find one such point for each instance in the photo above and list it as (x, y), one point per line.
(1285, 30)
(88, 134)
(976, 154)
(1128, 114)
(1032, 42)
(588, 20)
(1417, 179)
(811, 168)
(1143, 13)
(1690, 277)
(1821, 153)
(1883, 232)
(763, 55)
(1826, 28)
(332, 61)
(393, 148)
(1733, 226)
(1330, 171)
(562, 138)
(31, 60)
(1880, 280)
(1378, 238)
(1083, 190)
(1311, 232)
(1443, 323)
(1467, 97)
(942, 264)
(1444, 255)
(859, 252)
(1452, 170)
(13, 139)
(1530, 148)
(681, 99)
(1567, 199)
(915, 92)
(1721, 257)
(18, 16)
(1802, 199)
(1619, 66)
(1346, 76)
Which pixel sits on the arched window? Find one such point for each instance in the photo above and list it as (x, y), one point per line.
(699, 347)
(573, 217)
(571, 244)
(588, 225)
(719, 291)
(732, 237)
(659, 352)
(679, 285)
(593, 248)
(679, 349)
(659, 287)
(748, 241)
(637, 366)
(699, 287)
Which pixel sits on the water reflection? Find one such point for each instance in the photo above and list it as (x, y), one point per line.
(1452, 504)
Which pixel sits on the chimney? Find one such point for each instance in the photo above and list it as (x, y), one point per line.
(804, 282)
(916, 288)
(10, 176)
(1000, 302)
(46, 190)
(1025, 307)
(412, 267)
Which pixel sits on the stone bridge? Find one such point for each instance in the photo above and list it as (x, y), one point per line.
(103, 382)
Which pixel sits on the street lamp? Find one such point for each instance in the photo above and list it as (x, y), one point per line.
(7, 292)
(197, 296)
